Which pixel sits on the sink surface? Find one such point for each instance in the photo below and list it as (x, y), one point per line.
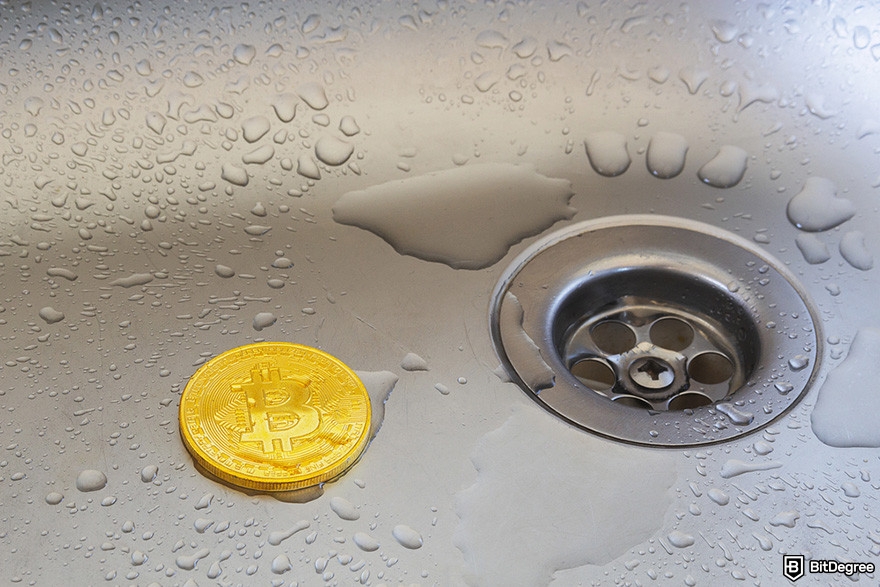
(178, 180)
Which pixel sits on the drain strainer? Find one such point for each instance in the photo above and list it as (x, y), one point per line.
(655, 330)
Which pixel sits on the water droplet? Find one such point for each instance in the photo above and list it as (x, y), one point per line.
(749, 93)
(736, 467)
(279, 536)
(817, 208)
(726, 169)
(313, 95)
(485, 81)
(254, 128)
(666, 154)
(143, 68)
(263, 320)
(50, 315)
(244, 54)
(679, 539)
(861, 37)
(333, 151)
(413, 362)
(526, 47)
(813, 249)
(91, 480)
(798, 362)
(724, 31)
(366, 542)
(659, 74)
(281, 564)
(282, 263)
(188, 563)
(349, 126)
(285, 107)
(718, 496)
(693, 78)
(783, 387)
(786, 518)
(344, 508)
(734, 414)
(234, 174)
(149, 473)
(556, 50)
(224, 271)
(259, 155)
(607, 153)
(816, 106)
(192, 79)
(54, 498)
(850, 489)
(854, 251)
(490, 39)
(407, 537)
(307, 167)
(762, 448)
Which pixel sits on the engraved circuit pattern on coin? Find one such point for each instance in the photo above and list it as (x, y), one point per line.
(275, 416)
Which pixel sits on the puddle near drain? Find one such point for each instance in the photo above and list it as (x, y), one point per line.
(466, 218)
(548, 497)
(846, 412)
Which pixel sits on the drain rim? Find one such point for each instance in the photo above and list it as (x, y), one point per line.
(563, 395)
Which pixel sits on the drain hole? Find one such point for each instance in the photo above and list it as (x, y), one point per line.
(638, 327)
(710, 368)
(689, 400)
(672, 333)
(632, 402)
(594, 373)
(613, 337)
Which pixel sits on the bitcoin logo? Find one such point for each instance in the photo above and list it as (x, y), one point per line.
(275, 416)
(277, 408)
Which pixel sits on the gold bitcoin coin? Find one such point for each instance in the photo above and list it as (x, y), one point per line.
(275, 416)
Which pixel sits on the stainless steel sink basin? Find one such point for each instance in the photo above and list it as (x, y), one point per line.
(178, 180)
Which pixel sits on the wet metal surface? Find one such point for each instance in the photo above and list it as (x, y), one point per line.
(180, 179)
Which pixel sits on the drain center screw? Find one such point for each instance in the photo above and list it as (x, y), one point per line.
(651, 373)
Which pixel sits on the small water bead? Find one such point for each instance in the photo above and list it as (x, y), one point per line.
(666, 154)
(91, 480)
(333, 151)
(234, 174)
(680, 539)
(284, 106)
(798, 362)
(54, 498)
(817, 208)
(726, 169)
(344, 508)
(812, 248)
(244, 54)
(313, 94)
(263, 320)
(407, 537)
(855, 252)
(607, 153)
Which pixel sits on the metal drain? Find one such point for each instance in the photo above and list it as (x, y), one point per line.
(655, 330)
